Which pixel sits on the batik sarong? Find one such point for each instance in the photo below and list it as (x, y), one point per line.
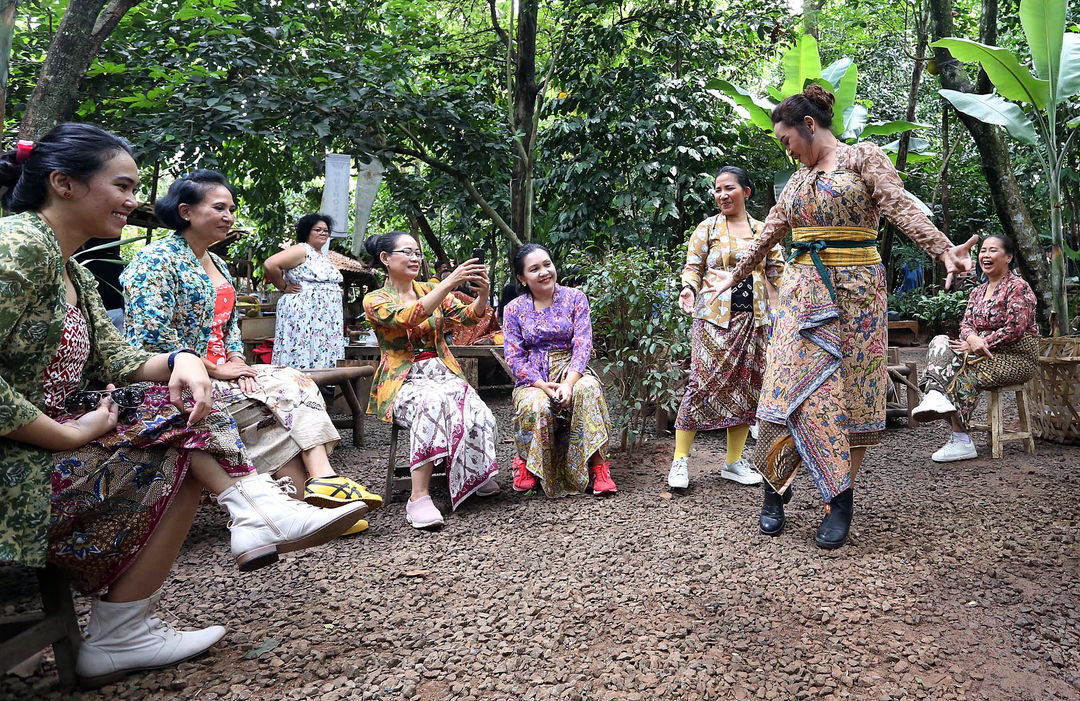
(962, 378)
(286, 416)
(726, 371)
(447, 422)
(826, 376)
(556, 443)
(109, 495)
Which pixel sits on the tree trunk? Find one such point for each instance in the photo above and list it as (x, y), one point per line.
(524, 97)
(424, 226)
(7, 29)
(73, 48)
(811, 8)
(994, 155)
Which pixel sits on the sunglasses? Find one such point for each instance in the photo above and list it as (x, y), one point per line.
(88, 400)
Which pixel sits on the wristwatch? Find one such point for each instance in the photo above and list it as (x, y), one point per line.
(172, 356)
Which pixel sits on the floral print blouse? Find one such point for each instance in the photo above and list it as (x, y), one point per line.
(33, 306)
(863, 186)
(530, 334)
(1005, 316)
(711, 247)
(169, 300)
(404, 330)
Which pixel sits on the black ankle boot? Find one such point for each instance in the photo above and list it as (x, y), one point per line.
(833, 531)
(772, 510)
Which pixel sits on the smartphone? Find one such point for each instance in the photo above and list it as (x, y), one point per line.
(478, 254)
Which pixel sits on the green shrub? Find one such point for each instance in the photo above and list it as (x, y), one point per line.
(939, 313)
(640, 336)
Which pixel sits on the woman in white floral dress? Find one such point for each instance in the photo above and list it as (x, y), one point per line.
(310, 323)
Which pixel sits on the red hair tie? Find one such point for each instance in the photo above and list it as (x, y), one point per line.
(22, 150)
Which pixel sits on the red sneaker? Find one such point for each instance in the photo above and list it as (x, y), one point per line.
(601, 479)
(523, 479)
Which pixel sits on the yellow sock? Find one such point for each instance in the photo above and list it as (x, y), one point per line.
(683, 441)
(736, 441)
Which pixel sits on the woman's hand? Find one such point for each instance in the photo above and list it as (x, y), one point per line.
(291, 289)
(189, 372)
(549, 388)
(686, 300)
(96, 423)
(957, 260)
(717, 282)
(469, 271)
(977, 344)
(237, 369)
(564, 394)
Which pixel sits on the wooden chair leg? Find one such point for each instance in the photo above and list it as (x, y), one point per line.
(349, 391)
(996, 426)
(912, 395)
(363, 396)
(1025, 421)
(391, 467)
(56, 600)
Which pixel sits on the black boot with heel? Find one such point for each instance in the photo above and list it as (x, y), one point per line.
(772, 510)
(833, 531)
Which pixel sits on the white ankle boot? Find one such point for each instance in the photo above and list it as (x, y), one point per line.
(126, 637)
(265, 520)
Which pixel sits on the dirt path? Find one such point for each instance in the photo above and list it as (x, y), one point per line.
(960, 582)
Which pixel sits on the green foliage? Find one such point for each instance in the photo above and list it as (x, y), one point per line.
(640, 336)
(939, 313)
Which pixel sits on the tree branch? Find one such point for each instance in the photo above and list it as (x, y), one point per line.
(107, 21)
(503, 36)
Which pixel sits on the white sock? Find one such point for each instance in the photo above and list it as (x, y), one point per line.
(962, 437)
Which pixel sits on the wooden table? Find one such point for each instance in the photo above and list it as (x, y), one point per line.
(469, 357)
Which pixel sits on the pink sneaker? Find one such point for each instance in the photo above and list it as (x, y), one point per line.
(523, 479)
(601, 479)
(422, 513)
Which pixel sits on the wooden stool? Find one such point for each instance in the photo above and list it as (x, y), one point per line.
(996, 427)
(399, 479)
(355, 384)
(24, 635)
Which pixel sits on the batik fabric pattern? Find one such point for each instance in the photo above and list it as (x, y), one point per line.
(482, 334)
(727, 366)
(532, 334)
(403, 330)
(826, 374)
(448, 424)
(169, 299)
(309, 332)
(286, 415)
(1003, 317)
(109, 495)
(33, 307)
(711, 247)
(963, 377)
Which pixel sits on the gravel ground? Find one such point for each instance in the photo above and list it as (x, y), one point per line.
(959, 582)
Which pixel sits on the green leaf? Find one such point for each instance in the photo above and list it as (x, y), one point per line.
(890, 128)
(1012, 80)
(1073, 123)
(1044, 26)
(993, 109)
(759, 115)
(855, 119)
(834, 72)
(1069, 80)
(801, 63)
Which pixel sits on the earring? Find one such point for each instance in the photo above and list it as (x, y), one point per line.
(67, 195)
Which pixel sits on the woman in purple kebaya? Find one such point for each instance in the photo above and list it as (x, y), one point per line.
(560, 416)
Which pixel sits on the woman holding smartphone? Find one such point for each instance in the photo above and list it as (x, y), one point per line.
(730, 332)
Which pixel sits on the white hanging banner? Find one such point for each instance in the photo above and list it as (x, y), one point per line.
(368, 179)
(335, 199)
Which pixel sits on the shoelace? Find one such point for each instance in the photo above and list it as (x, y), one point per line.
(285, 484)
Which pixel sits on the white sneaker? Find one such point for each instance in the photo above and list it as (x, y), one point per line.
(933, 406)
(679, 475)
(264, 520)
(126, 637)
(955, 449)
(753, 430)
(741, 472)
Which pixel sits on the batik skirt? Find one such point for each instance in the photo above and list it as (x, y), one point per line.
(448, 423)
(726, 371)
(287, 415)
(963, 378)
(826, 376)
(556, 444)
(108, 496)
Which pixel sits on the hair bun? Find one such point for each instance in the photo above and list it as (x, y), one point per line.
(371, 245)
(820, 97)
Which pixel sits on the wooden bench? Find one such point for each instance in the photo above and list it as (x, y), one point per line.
(355, 384)
(24, 635)
(901, 329)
